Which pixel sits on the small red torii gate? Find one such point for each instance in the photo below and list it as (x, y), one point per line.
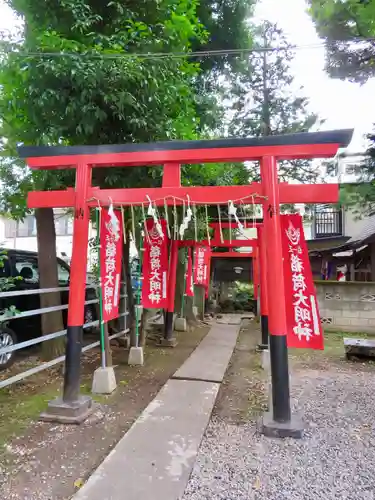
(215, 241)
(270, 193)
(260, 269)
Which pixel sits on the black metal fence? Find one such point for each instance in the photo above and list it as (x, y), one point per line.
(6, 349)
(328, 223)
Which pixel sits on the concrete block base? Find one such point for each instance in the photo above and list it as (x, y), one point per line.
(167, 342)
(104, 381)
(135, 356)
(271, 428)
(180, 325)
(62, 412)
(266, 361)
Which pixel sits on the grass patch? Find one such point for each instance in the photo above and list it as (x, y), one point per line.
(17, 410)
(99, 398)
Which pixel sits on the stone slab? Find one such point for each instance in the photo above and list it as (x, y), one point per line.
(153, 461)
(361, 348)
(162, 342)
(62, 412)
(210, 359)
(359, 342)
(230, 319)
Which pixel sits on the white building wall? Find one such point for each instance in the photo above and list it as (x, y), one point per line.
(64, 244)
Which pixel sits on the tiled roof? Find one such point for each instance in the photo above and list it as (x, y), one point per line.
(365, 235)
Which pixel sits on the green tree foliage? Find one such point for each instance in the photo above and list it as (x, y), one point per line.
(82, 74)
(73, 80)
(268, 102)
(80, 84)
(79, 76)
(348, 27)
(360, 197)
(227, 30)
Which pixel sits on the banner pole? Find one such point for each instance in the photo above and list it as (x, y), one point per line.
(102, 328)
(139, 291)
(184, 287)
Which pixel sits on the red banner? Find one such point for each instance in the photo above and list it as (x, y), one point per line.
(189, 287)
(201, 262)
(110, 262)
(302, 313)
(155, 267)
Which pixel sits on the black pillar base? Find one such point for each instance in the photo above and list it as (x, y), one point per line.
(62, 412)
(264, 329)
(280, 378)
(168, 340)
(72, 408)
(168, 325)
(278, 421)
(270, 428)
(72, 372)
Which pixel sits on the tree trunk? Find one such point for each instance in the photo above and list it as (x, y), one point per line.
(224, 292)
(199, 292)
(47, 260)
(191, 319)
(147, 314)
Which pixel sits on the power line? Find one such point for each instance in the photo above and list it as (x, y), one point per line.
(179, 55)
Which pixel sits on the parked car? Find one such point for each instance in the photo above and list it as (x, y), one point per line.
(24, 265)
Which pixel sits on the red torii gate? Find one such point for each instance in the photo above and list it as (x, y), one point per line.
(213, 242)
(242, 255)
(267, 150)
(260, 267)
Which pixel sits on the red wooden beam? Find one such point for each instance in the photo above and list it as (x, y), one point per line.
(244, 255)
(210, 195)
(217, 243)
(171, 175)
(232, 154)
(234, 243)
(226, 225)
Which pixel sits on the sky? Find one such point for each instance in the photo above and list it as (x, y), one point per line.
(342, 104)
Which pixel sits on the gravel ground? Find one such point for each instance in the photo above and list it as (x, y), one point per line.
(334, 460)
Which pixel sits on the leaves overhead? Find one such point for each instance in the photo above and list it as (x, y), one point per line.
(76, 75)
(348, 27)
(360, 197)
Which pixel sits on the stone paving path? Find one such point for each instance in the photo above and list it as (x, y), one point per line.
(153, 461)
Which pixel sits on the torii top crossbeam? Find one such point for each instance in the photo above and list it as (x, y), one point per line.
(174, 153)
(282, 147)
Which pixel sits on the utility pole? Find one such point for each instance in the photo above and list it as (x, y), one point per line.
(266, 118)
(262, 237)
